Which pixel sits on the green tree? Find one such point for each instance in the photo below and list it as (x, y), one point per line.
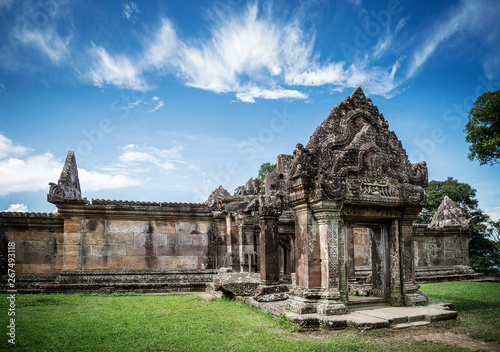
(263, 171)
(483, 129)
(483, 247)
(237, 189)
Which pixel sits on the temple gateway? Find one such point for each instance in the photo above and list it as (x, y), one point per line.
(335, 221)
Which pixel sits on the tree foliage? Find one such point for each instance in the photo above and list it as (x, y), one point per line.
(483, 129)
(484, 248)
(263, 171)
(239, 188)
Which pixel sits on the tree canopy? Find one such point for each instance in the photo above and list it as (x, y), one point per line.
(484, 245)
(483, 129)
(265, 168)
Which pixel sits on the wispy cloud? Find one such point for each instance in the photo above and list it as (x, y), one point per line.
(118, 71)
(455, 22)
(247, 53)
(130, 11)
(45, 37)
(147, 155)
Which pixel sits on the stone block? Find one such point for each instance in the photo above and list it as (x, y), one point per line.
(164, 227)
(139, 251)
(89, 238)
(72, 225)
(20, 236)
(109, 250)
(71, 250)
(115, 238)
(271, 293)
(36, 269)
(237, 284)
(71, 263)
(94, 226)
(135, 262)
(128, 227)
(178, 262)
(72, 238)
(39, 236)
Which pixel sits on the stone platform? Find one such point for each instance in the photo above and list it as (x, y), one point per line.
(364, 319)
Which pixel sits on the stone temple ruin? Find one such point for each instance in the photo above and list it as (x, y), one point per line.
(335, 221)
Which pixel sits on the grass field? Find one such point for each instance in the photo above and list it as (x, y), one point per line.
(188, 323)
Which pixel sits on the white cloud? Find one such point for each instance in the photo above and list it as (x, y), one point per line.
(118, 71)
(248, 54)
(7, 148)
(96, 181)
(130, 11)
(33, 173)
(248, 94)
(163, 47)
(17, 208)
(163, 158)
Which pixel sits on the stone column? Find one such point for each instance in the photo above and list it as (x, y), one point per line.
(395, 293)
(270, 288)
(232, 243)
(269, 253)
(411, 295)
(351, 272)
(330, 227)
(246, 241)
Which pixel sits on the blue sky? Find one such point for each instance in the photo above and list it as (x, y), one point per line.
(165, 101)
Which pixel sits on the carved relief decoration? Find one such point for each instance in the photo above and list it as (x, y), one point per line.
(353, 154)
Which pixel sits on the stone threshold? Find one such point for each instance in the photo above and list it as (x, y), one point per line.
(376, 318)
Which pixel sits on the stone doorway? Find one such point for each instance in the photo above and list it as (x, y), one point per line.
(367, 260)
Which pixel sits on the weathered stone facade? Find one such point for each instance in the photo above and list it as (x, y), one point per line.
(336, 217)
(441, 249)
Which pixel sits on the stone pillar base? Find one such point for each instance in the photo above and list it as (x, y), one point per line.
(309, 301)
(412, 296)
(271, 293)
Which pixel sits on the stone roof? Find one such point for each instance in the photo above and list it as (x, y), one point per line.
(448, 215)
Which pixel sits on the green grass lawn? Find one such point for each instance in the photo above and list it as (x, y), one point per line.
(478, 304)
(188, 323)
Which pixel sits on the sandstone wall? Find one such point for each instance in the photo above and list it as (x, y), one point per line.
(440, 247)
(38, 242)
(123, 236)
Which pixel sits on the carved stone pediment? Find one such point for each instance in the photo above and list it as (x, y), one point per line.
(353, 154)
(68, 186)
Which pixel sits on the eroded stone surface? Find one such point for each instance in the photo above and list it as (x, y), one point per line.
(237, 284)
(448, 214)
(266, 293)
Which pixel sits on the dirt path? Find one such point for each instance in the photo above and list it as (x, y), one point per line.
(460, 340)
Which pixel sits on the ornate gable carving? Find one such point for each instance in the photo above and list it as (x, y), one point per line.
(68, 186)
(353, 155)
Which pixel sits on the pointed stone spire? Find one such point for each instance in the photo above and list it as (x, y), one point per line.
(68, 186)
(448, 215)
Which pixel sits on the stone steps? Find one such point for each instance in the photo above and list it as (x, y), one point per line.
(140, 281)
(365, 303)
